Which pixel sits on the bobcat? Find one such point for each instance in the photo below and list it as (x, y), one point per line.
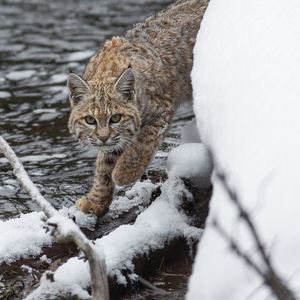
(126, 98)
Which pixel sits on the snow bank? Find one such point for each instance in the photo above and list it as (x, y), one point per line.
(246, 79)
(161, 222)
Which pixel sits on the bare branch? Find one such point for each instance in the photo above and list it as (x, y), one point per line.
(22, 175)
(65, 229)
(245, 216)
(235, 247)
(267, 272)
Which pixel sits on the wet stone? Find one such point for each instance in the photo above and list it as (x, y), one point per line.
(4, 95)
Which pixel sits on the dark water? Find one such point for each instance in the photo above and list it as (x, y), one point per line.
(40, 41)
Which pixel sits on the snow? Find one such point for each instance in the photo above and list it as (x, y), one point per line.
(192, 161)
(22, 237)
(70, 280)
(20, 75)
(82, 220)
(25, 236)
(138, 196)
(161, 222)
(44, 258)
(27, 269)
(246, 90)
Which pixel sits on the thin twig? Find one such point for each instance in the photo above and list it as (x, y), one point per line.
(64, 228)
(245, 216)
(234, 246)
(269, 275)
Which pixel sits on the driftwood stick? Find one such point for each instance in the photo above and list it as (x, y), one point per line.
(64, 229)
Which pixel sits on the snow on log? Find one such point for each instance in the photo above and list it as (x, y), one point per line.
(247, 100)
(192, 161)
(162, 222)
(26, 237)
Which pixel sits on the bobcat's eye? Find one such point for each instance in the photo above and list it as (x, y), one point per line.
(115, 118)
(90, 120)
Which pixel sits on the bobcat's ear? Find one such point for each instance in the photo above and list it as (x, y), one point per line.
(77, 88)
(125, 84)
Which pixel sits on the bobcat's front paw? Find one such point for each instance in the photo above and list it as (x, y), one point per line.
(91, 207)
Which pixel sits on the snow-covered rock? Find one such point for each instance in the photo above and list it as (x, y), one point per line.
(246, 80)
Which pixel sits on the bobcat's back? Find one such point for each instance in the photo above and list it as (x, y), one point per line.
(172, 34)
(175, 26)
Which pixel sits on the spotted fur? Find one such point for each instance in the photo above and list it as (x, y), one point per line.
(127, 96)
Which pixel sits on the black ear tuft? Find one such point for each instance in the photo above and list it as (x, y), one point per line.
(77, 88)
(125, 84)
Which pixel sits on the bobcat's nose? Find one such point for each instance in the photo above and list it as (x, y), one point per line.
(103, 139)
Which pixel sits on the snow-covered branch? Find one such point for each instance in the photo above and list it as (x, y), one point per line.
(63, 229)
(22, 175)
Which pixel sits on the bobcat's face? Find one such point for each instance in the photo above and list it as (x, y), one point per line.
(105, 116)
